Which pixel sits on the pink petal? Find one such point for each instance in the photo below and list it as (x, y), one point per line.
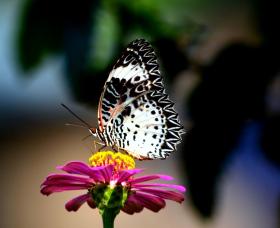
(91, 203)
(132, 206)
(81, 168)
(124, 175)
(150, 177)
(107, 172)
(76, 203)
(49, 189)
(66, 183)
(66, 178)
(151, 202)
(177, 187)
(127, 210)
(170, 195)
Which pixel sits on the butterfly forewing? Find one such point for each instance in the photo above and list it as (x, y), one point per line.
(134, 111)
(136, 72)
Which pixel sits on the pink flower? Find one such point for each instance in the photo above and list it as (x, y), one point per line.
(109, 188)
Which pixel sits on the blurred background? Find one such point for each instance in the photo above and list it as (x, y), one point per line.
(220, 63)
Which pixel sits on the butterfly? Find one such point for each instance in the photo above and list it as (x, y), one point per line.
(134, 111)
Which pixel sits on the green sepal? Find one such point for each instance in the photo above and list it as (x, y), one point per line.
(109, 198)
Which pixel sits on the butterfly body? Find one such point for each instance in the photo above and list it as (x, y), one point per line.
(134, 112)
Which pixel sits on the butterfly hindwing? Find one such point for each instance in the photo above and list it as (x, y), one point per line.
(148, 128)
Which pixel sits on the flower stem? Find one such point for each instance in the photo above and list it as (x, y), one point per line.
(108, 218)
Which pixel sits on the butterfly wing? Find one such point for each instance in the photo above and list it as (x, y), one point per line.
(148, 128)
(134, 109)
(135, 73)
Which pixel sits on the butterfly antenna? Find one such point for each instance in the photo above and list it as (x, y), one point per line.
(86, 137)
(74, 114)
(76, 125)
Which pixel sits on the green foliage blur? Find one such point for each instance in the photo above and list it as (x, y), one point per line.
(91, 35)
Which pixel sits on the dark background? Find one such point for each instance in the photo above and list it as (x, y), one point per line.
(220, 63)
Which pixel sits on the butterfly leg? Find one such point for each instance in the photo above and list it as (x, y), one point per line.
(115, 148)
(94, 143)
(101, 148)
(100, 144)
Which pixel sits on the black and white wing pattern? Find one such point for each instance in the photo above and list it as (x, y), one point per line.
(134, 112)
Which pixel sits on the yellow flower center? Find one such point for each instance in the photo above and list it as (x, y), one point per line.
(119, 160)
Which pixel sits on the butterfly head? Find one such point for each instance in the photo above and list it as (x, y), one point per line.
(93, 131)
(97, 133)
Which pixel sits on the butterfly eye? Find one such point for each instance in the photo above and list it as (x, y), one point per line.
(92, 131)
